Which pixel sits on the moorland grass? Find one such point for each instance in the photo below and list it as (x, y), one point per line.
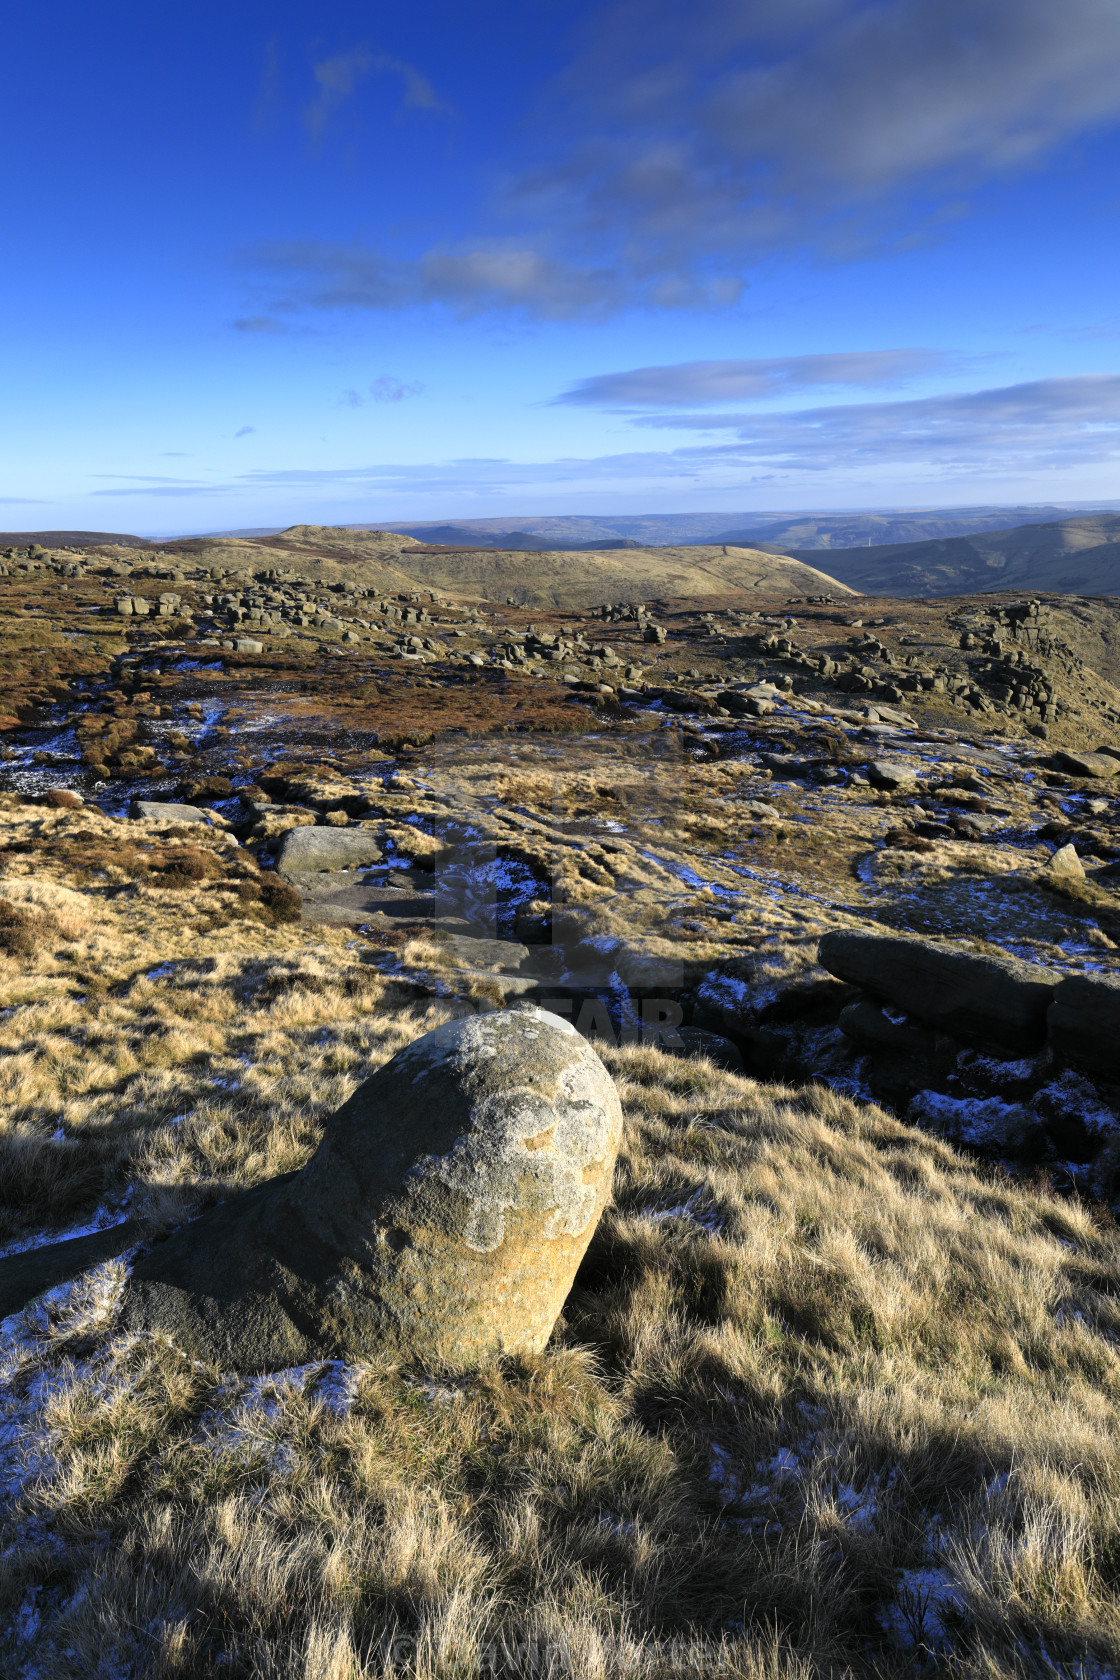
(826, 1399)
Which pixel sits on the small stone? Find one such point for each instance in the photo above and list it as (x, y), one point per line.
(888, 775)
(246, 644)
(1065, 861)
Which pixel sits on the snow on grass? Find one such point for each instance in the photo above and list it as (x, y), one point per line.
(103, 1220)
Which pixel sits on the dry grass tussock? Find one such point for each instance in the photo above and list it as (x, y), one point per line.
(825, 1400)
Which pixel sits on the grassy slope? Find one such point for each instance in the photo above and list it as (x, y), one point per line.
(823, 1389)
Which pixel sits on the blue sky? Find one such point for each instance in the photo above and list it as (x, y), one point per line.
(268, 263)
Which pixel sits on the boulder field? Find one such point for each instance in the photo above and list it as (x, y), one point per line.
(442, 1218)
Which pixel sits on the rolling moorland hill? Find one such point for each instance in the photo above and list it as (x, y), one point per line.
(390, 561)
(1073, 556)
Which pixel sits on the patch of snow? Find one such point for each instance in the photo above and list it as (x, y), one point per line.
(1073, 1095)
(925, 1602)
(998, 1072)
(858, 1506)
(724, 1475)
(35, 1369)
(103, 1220)
(693, 1211)
(981, 1124)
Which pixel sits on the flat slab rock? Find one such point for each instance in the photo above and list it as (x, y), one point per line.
(320, 849)
(154, 810)
(975, 997)
(1099, 766)
(442, 1218)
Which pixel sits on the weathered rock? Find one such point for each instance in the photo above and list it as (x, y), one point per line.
(885, 773)
(697, 1041)
(246, 644)
(1084, 1022)
(1092, 764)
(866, 1025)
(328, 848)
(152, 810)
(987, 999)
(1065, 861)
(441, 1219)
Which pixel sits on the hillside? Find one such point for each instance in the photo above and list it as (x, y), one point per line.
(392, 562)
(1077, 556)
(583, 580)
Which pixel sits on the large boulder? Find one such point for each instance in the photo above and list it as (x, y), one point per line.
(1084, 1022)
(328, 848)
(1091, 764)
(996, 1000)
(441, 1219)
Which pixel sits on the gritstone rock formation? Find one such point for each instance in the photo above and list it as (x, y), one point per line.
(442, 1217)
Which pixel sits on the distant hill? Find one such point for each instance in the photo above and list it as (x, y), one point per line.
(1079, 556)
(878, 530)
(772, 529)
(68, 539)
(466, 536)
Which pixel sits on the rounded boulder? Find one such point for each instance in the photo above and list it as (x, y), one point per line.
(441, 1219)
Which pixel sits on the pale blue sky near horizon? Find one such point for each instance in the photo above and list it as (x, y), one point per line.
(279, 263)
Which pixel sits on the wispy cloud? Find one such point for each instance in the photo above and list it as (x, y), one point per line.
(244, 431)
(172, 490)
(768, 124)
(260, 324)
(754, 379)
(384, 389)
(337, 79)
(998, 434)
(1041, 424)
(1048, 423)
(471, 280)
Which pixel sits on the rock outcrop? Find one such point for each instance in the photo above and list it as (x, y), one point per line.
(996, 1000)
(441, 1219)
(1084, 1022)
